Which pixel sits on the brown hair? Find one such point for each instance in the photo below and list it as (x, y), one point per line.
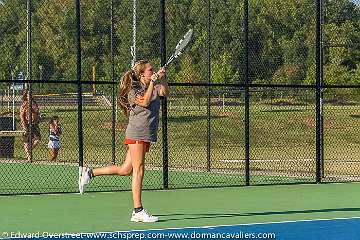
(53, 119)
(127, 82)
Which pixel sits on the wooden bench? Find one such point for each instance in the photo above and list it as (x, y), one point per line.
(11, 133)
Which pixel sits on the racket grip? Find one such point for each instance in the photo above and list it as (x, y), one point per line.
(167, 64)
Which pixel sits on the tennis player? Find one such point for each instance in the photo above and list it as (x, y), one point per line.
(138, 97)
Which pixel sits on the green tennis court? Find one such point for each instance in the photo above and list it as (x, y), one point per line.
(100, 212)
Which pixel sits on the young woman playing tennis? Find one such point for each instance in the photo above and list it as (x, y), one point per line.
(138, 97)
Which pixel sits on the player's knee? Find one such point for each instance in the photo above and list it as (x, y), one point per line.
(139, 169)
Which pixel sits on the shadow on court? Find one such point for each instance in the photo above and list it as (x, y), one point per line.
(191, 216)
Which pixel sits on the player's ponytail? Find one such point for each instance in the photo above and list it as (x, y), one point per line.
(124, 89)
(130, 79)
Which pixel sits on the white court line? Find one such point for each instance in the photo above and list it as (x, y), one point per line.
(210, 227)
(289, 221)
(245, 224)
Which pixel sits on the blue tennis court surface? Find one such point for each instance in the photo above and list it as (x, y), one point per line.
(323, 229)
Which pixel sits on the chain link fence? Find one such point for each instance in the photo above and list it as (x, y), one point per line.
(267, 92)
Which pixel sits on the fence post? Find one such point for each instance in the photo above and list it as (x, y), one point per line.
(321, 92)
(164, 100)
(318, 92)
(113, 83)
(79, 90)
(246, 95)
(29, 76)
(209, 91)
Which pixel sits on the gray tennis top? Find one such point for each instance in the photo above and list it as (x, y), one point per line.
(143, 121)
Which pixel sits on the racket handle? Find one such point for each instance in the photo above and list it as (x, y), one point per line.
(169, 61)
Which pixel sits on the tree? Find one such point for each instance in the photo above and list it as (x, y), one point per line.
(12, 37)
(221, 70)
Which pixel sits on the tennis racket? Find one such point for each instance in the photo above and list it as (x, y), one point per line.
(180, 47)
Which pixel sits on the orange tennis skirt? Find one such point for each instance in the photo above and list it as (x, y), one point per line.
(131, 141)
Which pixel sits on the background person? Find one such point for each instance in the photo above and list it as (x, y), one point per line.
(26, 125)
(54, 137)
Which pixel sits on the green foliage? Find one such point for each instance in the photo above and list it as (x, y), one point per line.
(221, 71)
(281, 34)
(188, 72)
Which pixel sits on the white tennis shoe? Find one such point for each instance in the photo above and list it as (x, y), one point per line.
(143, 216)
(84, 178)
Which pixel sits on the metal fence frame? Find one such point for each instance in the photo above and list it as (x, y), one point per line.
(246, 87)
